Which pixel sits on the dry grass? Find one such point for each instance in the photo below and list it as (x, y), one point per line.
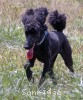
(13, 82)
(11, 11)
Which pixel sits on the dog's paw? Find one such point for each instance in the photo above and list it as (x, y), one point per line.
(41, 82)
(54, 81)
(52, 77)
(29, 75)
(31, 79)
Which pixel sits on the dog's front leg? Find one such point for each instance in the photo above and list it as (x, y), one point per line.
(27, 67)
(47, 59)
(45, 71)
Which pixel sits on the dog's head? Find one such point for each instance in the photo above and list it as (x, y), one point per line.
(32, 33)
(33, 21)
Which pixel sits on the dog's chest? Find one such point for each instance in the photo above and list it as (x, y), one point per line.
(40, 54)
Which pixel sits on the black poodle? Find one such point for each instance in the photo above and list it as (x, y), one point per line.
(44, 45)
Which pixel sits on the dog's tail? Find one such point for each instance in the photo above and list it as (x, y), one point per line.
(57, 20)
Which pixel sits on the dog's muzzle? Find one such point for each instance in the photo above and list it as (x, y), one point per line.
(30, 53)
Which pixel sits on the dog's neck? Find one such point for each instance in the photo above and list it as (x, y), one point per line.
(42, 40)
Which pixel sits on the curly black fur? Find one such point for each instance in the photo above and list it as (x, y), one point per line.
(57, 20)
(41, 14)
(37, 16)
(28, 17)
(54, 43)
(34, 25)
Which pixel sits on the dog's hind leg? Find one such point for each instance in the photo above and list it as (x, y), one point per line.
(27, 67)
(66, 54)
(51, 73)
(68, 62)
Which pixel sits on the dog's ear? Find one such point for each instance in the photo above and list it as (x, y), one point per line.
(24, 19)
(41, 14)
(42, 10)
(28, 15)
(56, 12)
(45, 10)
(29, 12)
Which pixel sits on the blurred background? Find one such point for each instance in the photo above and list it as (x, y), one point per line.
(12, 55)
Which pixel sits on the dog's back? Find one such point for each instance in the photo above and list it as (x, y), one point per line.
(58, 22)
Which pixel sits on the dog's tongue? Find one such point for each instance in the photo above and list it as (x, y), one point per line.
(30, 53)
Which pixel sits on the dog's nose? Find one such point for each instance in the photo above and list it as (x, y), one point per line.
(26, 46)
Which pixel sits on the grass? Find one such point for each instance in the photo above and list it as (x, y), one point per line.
(13, 81)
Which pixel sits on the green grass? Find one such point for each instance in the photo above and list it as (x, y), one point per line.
(13, 81)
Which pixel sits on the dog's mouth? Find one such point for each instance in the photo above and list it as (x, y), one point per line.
(30, 53)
